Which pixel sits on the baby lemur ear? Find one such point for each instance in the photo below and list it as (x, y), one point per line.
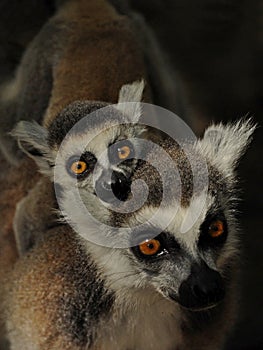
(32, 139)
(131, 93)
(225, 144)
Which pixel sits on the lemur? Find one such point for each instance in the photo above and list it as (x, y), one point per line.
(169, 290)
(99, 148)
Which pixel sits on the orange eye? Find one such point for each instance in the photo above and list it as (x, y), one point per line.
(216, 229)
(78, 167)
(124, 152)
(150, 247)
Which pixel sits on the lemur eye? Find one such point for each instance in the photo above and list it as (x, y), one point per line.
(78, 167)
(120, 151)
(213, 232)
(124, 152)
(216, 229)
(150, 247)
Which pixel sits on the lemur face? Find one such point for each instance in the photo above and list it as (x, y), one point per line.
(108, 176)
(187, 268)
(95, 160)
(90, 146)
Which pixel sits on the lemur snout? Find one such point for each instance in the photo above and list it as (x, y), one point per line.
(203, 288)
(108, 189)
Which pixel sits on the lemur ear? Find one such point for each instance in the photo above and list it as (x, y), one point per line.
(32, 139)
(131, 93)
(225, 144)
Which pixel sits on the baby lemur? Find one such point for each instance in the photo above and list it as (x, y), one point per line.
(73, 146)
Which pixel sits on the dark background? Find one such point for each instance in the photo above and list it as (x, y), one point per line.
(214, 48)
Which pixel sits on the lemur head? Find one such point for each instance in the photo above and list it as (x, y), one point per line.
(190, 266)
(89, 145)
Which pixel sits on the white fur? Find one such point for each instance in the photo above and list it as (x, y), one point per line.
(31, 135)
(129, 100)
(144, 315)
(146, 318)
(225, 144)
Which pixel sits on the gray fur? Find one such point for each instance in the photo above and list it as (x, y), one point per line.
(32, 140)
(34, 217)
(26, 97)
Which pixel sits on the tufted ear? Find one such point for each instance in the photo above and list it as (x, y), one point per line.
(225, 144)
(32, 139)
(131, 93)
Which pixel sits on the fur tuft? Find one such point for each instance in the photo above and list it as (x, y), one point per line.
(225, 144)
(131, 93)
(32, 139)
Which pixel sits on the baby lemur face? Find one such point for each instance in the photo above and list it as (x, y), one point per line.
(89, 150)
(95, 162)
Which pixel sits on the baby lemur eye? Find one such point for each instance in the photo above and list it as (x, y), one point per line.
(120, 151)
(124, 152)
(80, 166)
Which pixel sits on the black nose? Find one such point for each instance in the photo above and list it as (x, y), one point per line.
(121, 186)
(203, 288)
(117, 187)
